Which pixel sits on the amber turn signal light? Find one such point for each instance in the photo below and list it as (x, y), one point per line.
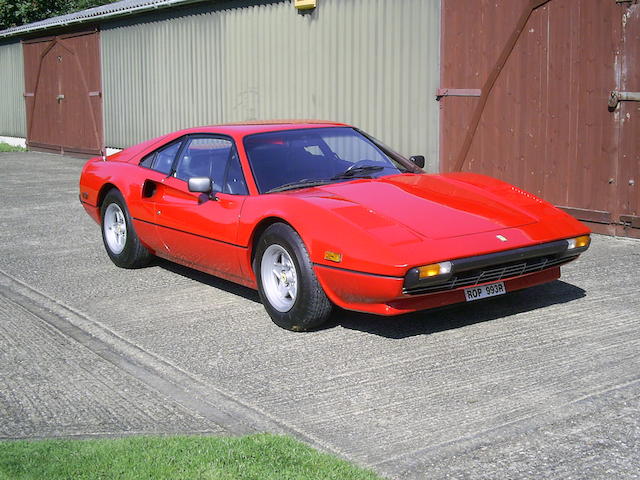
(579, 242)
(333, 256)
(434, 269)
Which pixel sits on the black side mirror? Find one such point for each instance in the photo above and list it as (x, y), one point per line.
(200, 185)
(417, 160)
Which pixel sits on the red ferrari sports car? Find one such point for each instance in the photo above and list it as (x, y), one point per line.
(320, 214)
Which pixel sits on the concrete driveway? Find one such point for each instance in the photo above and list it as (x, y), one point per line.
(543, 383)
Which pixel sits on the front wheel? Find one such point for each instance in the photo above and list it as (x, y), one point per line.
(287, 285)
(120, 240)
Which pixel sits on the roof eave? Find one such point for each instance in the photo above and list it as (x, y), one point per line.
(26, 29)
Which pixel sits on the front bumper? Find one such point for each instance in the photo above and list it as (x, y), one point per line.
(383, 295)
(387, 295)
(493, 267)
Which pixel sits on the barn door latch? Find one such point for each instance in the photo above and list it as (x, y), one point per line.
(457, 92)
(617, 97)
(630, 221)
(59, 98)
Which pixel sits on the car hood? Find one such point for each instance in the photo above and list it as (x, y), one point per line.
(431, 206)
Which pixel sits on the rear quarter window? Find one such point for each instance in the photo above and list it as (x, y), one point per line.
(165, 157)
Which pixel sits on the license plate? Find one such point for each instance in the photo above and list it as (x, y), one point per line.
(484, 291)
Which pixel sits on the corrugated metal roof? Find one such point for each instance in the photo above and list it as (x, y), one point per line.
(116, 9)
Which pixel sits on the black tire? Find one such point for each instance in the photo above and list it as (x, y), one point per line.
(122, 245)
(310, 308)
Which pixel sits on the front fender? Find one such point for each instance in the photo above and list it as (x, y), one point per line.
(364, 241)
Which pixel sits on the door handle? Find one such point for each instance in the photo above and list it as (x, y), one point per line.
(617, 97)
(59, 98)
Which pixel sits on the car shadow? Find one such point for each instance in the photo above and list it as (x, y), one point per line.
(460, 315)
(207, 279)
(424, 322)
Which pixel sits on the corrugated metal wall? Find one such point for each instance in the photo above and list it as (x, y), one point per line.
(12, 116)
(372, 63)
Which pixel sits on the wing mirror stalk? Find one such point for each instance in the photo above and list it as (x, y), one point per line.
(418, 160)
(203, 185)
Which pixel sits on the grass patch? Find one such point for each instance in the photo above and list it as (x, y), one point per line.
(255, 457)
(5, 147)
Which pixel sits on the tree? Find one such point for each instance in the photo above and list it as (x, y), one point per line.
(20, 12)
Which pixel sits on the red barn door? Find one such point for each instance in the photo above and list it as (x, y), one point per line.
(525, 88)
(63, 94)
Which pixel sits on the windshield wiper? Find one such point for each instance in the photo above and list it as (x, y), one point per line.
(354, 172)
(305, 182)
(360, 172)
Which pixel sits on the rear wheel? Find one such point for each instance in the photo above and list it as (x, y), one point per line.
(287, 284)
(118, 235)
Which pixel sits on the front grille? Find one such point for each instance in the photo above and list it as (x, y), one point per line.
(493, 273)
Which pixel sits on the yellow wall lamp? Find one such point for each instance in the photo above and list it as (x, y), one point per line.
(305, 4)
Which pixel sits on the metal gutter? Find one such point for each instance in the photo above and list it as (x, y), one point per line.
(79, 19)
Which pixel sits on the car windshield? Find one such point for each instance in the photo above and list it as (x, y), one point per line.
(290, 159)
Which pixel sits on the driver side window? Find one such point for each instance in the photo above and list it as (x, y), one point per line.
(211, 157)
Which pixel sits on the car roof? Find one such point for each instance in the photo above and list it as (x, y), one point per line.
(251, 127)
